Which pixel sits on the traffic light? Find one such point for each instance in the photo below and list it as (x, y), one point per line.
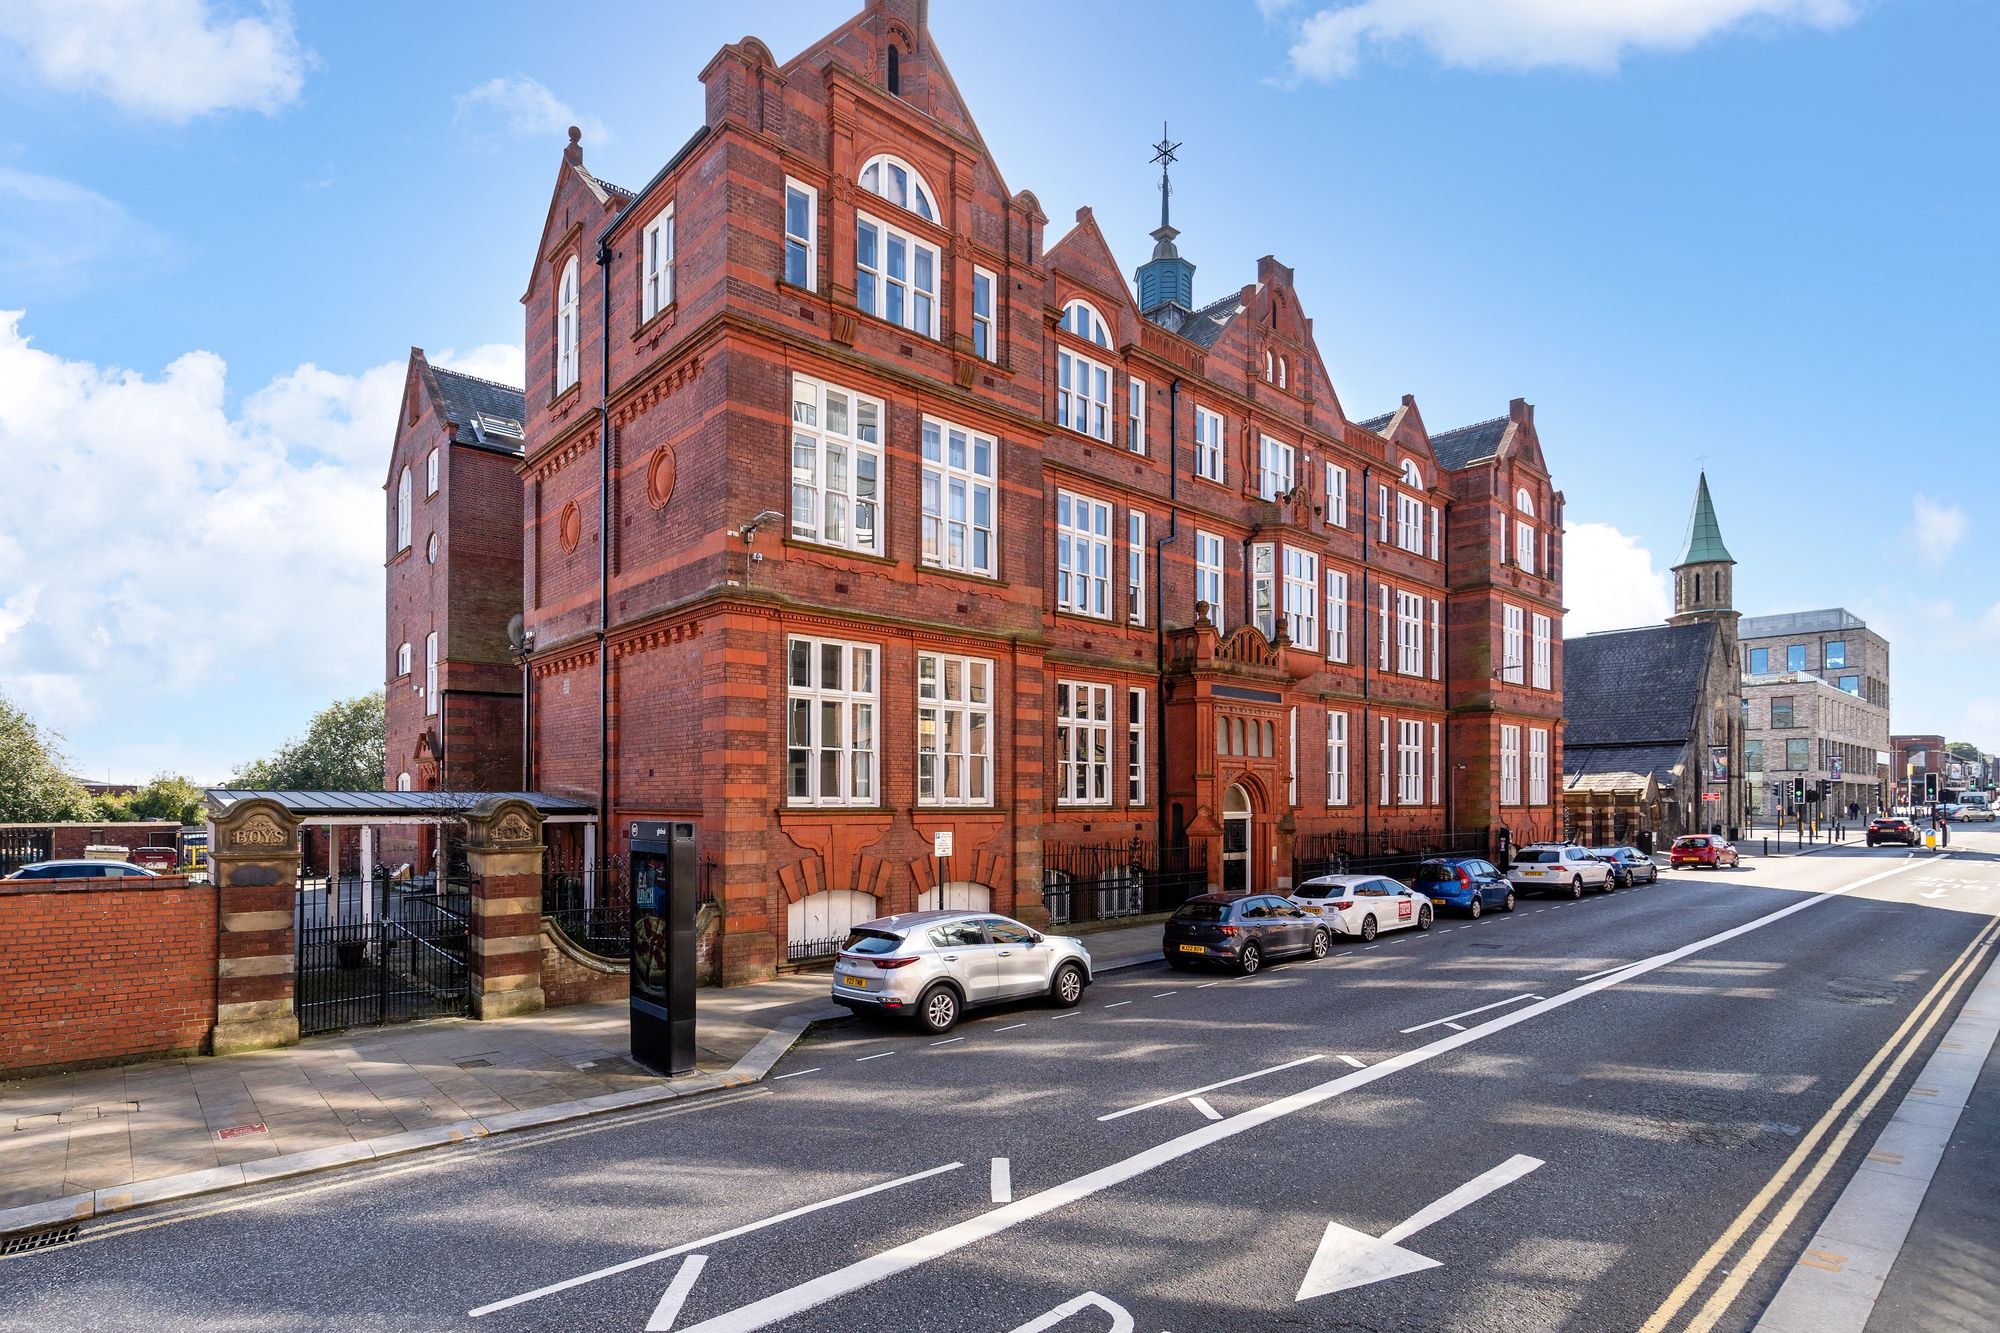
(1798, 791)
(1819, 793)
(1931, 788)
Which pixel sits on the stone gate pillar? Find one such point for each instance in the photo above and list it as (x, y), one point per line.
(503, 852)
(253, 855)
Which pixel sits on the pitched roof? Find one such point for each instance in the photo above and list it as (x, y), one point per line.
(1205, 326)
(1469, 444)
(1704, 535)
(1376, 423)
(463, 397)
(1619, 769)
(1634, 686)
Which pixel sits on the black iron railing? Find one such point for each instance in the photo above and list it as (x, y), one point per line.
(590, 902)
(1397, 853)
(805, 951)
(24, 847)
(1107, 881)
(372, 950)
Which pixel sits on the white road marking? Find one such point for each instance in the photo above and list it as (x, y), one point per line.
(1010, 1027)
(676, 1294)
(1119, 1005)
(864, 1059)
(1349, 1258)
(1605, 973)
(875, 1268)
(1201, 1104)
(947, 1041)
(1003, 1181)
(1071, 1014)
(1165, 993)
(1455, 1027)
(797, 1072)
(1206, 984)
(1121, 1318)
(707, 1241)
(1207, 1087)
(1358, 1064)
(1446, 1020)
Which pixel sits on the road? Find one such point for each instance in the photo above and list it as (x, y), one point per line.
(1626, 1112)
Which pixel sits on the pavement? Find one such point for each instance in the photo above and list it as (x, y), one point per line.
(77, 1145)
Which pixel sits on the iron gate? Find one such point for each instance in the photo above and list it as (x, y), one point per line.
(373, 950)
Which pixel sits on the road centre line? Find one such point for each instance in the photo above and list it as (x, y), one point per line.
(1010, 1027)
(715, 1239)
(1119, 1005)
(1206, 1087)
(796, 1072)
(949, 1240)
(1206, 984)
(1165, 993)
(948, 1041)
(880, 1055)
(1448, 1018)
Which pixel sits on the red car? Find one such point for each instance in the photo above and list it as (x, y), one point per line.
(1702, 849)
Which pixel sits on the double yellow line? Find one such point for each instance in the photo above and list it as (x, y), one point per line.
(1862, 1096)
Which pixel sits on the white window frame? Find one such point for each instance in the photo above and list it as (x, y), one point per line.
(1275, 474)
(1538, 766)
(1437, 642)
(872, 296)
(1336, 757)
(403, 659)
(985, 332)
(1135, 567)
(656, 263)
(403, 511)
(1382, 626)
(1135, 746)
(1336, 495)
(1409, 762)
(1409, 634)
(1524, 545)
(1292, 755)
(1437, 533)
(567, 333)
(403, 782)
(1381, 512)
(1544, 629)
(1209, 584)
(431, 472)
(1083, 743)
(1083, 555)
(918, 199)
(1510, 765)
(954, 773)
(1412, 475)
(854, 711)
(1409, 523)
(953, 493)
(1135, 415)
(1513, 644)
(1437, 761)
(829, 448)
(1264, 588)
(1087, 412)
(1209, 430)
(1081, 319)
(431, 674)
(1382, 755)
(1336, 615)
(1301, 594)
(806, 244)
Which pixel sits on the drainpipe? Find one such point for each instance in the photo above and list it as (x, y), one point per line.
(604, 532)
(1159, 610)
(1367, 661)
(1444, 670)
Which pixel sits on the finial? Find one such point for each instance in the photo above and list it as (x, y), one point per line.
(1165, 153)
(575, 134)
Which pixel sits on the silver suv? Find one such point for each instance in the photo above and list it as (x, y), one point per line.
(936, 965)
(1559, 867)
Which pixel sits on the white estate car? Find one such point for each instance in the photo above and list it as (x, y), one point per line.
(1363, 904)
(1559, 867)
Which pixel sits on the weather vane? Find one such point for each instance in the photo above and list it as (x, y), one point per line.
(1165, 152)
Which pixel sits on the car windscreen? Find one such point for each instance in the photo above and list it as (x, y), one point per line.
(1691, 842)
(1536, 858)
(1202, 912)
(871, 942)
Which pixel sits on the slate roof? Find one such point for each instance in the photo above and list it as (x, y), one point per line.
(393, 805)
(1635, 687)
(1704, 535)
(1205, 326)
(491, 413)
(1619, 769)
(1469, 444)
(1376, 423)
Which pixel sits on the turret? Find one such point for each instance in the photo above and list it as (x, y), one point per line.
(1166, 281)
(1704, 574)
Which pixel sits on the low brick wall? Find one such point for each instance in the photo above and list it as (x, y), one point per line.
(94, 971)
(571, 976)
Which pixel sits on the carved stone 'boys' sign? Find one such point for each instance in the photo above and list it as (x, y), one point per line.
(512, 826)
(258, 831)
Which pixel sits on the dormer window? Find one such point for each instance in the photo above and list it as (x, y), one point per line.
(1081, 318)
(566, 327)
(897, 181)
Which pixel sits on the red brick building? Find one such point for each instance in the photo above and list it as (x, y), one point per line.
(894, 520)
(453, 575)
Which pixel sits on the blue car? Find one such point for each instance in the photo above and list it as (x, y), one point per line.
(1467, 883)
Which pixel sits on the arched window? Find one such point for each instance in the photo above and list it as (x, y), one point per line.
(1284, 372)
(1413, 477)
(402, 781)
(1270, 369)
(897, 181)
(566, 317)
(1697, 588)
(403, 512)
(1082, 319)
(431, 674)
(1524, 502)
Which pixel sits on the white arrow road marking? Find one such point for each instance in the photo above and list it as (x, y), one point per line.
(1208, 1087)
(1003, 1181)
(1349, 1258)
(1121, 1318)
(676, 1294)
(1446, 1021)
(1934, 893)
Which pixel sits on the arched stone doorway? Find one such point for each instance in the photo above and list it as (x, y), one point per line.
(1236, 840)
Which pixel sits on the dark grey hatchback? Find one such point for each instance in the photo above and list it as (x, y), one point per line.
(1241, 931)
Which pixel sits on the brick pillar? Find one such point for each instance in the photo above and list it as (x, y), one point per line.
(253, 855)
(503, 851)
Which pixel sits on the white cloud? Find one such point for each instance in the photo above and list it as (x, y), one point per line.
(172, 59)
(1936, 528)
(1609, 581)
(1594, 35)
(165, 559)
(57, 236)
(521, 106)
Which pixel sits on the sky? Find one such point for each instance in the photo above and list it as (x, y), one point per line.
(1750, 236)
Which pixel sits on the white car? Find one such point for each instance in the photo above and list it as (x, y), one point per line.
(1361, 905)
(1972, 812)
(1559, 867)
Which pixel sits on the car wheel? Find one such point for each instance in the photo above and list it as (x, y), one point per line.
(1178, 963)
(1367, 929)
(1508, 906)
(1423, 918)
(1250, 959)
(1067, 988)
(1576, 887)
(1321, 943)
(1478, 905)
(937, 1011)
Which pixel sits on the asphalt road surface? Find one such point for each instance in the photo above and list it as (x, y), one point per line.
(1626, 1112)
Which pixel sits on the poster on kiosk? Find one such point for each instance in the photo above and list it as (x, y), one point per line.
(663, 943)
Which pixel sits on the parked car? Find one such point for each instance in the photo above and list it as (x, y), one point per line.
(1559, 867)
(1702, 849)
(83, 870)
(936, 965)
(1467, 883)
(1241, 931)
(1974, 807)
(1629, 865)
(1892, 828)
(1361, 905)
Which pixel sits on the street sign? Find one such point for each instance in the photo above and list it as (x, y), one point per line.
(1711, 796)
(941, 844)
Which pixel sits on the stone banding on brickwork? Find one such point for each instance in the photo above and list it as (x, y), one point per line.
(253, 852)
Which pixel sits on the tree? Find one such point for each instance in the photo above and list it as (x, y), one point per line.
(342, 750)
(167, 796)
(1964, 750)
(34, 788)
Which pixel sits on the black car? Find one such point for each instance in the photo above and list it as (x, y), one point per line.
(1629, 865)
(1892, 828)
(1241, 931)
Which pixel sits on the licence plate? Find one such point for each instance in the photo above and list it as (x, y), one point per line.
(859, 983)
(1192, 948)
(1531, 872)
(1313, 910)
(1437, 902)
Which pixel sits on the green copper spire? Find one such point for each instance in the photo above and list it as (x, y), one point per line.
(1704, 537)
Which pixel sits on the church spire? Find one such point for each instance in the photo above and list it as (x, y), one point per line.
(1704, 535)
(1166, 281)
(1705, 570)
